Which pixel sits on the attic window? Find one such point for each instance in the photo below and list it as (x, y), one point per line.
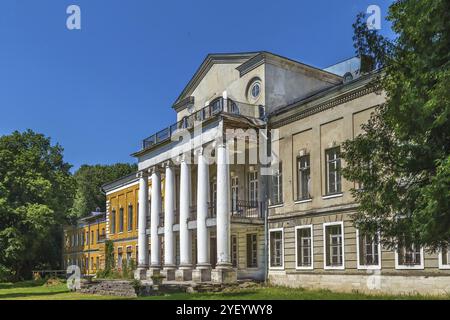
(255, 89)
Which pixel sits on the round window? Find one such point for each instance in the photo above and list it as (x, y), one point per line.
(255, 90)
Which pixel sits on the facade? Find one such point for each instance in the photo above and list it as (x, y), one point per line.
(214, 213)
(84, 243)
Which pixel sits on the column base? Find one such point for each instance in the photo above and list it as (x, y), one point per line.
(169, 273)
(201, 274)
(224, 274)
(153, 271)
(183, 273)
(140, 273)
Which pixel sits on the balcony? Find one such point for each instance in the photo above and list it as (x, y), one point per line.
(206, 113)
(245, 209)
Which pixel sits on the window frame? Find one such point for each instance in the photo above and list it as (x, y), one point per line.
(130, 218)
(282, 249)
(277, 180)
(311, 267)
(367, 267)
(253, 185)
(420, 266)
(440, 258)
(327, 171)
(308, 168)
(329, 224)
(251, 235)
(234, 253)
(121, 219)
(112, 223)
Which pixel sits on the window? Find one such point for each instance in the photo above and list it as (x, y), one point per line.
(119, 258)
(214, 193)
(92, 236)
(234, 251)
(334, 245)
(87, 237)
(234, 193)
(253, 187)
(98, 235)
(216, 105)
(130, 217)
(333, 167)
(137, 255)
(113, 221)
(304, 243)
(303, 178)
(129, 252)
(276, 248)
(252, 250)
(121, 220)
(97, 262)
(137, 215)
(369, 251)
(92, 262)
(409, 256)
(254, 90)
(444, 258)
(277, 185)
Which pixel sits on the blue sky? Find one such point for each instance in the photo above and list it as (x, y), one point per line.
(100, 90)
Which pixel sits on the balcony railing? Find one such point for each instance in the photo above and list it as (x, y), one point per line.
(245, 209)
(208, 112)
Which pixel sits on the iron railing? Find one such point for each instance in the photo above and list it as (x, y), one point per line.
(245, 209)
(210, 111)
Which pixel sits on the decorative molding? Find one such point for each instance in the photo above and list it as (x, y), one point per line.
(341, 99)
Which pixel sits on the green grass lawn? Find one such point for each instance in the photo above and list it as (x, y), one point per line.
(31, 290)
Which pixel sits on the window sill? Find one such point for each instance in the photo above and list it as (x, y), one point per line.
(303, 201)
(276, 268)
(277, 205)
(369, 267)
(304, 268)
(334, 268)
(404, 267)
(331, 196)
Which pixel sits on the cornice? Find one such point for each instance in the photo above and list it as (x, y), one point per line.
(291, 114)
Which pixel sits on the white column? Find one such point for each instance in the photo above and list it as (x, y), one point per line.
(202, 210)
(223, 207)
(169, 216)
(143, 209)
(225, 101)
(155, 261)
(185, 197)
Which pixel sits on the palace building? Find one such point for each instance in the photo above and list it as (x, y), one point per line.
(213, 211)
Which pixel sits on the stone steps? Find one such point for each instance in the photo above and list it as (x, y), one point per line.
(109, 287)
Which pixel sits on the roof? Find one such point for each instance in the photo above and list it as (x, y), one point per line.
(248, 61)
(122, 181)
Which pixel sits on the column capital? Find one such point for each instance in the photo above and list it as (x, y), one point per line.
(142, 174)
(155, 169)
(199, 151)
(184, 158)
(168, 164)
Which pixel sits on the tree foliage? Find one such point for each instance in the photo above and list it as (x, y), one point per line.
(402, 159)
(89, 180)
(36, 190)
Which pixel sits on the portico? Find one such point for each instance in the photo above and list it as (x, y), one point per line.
(178, 218)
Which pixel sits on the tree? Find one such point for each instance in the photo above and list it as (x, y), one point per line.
(402, 159)
(89, 180)
(36, 191)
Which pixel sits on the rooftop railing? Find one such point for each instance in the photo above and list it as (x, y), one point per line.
(208, 112)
